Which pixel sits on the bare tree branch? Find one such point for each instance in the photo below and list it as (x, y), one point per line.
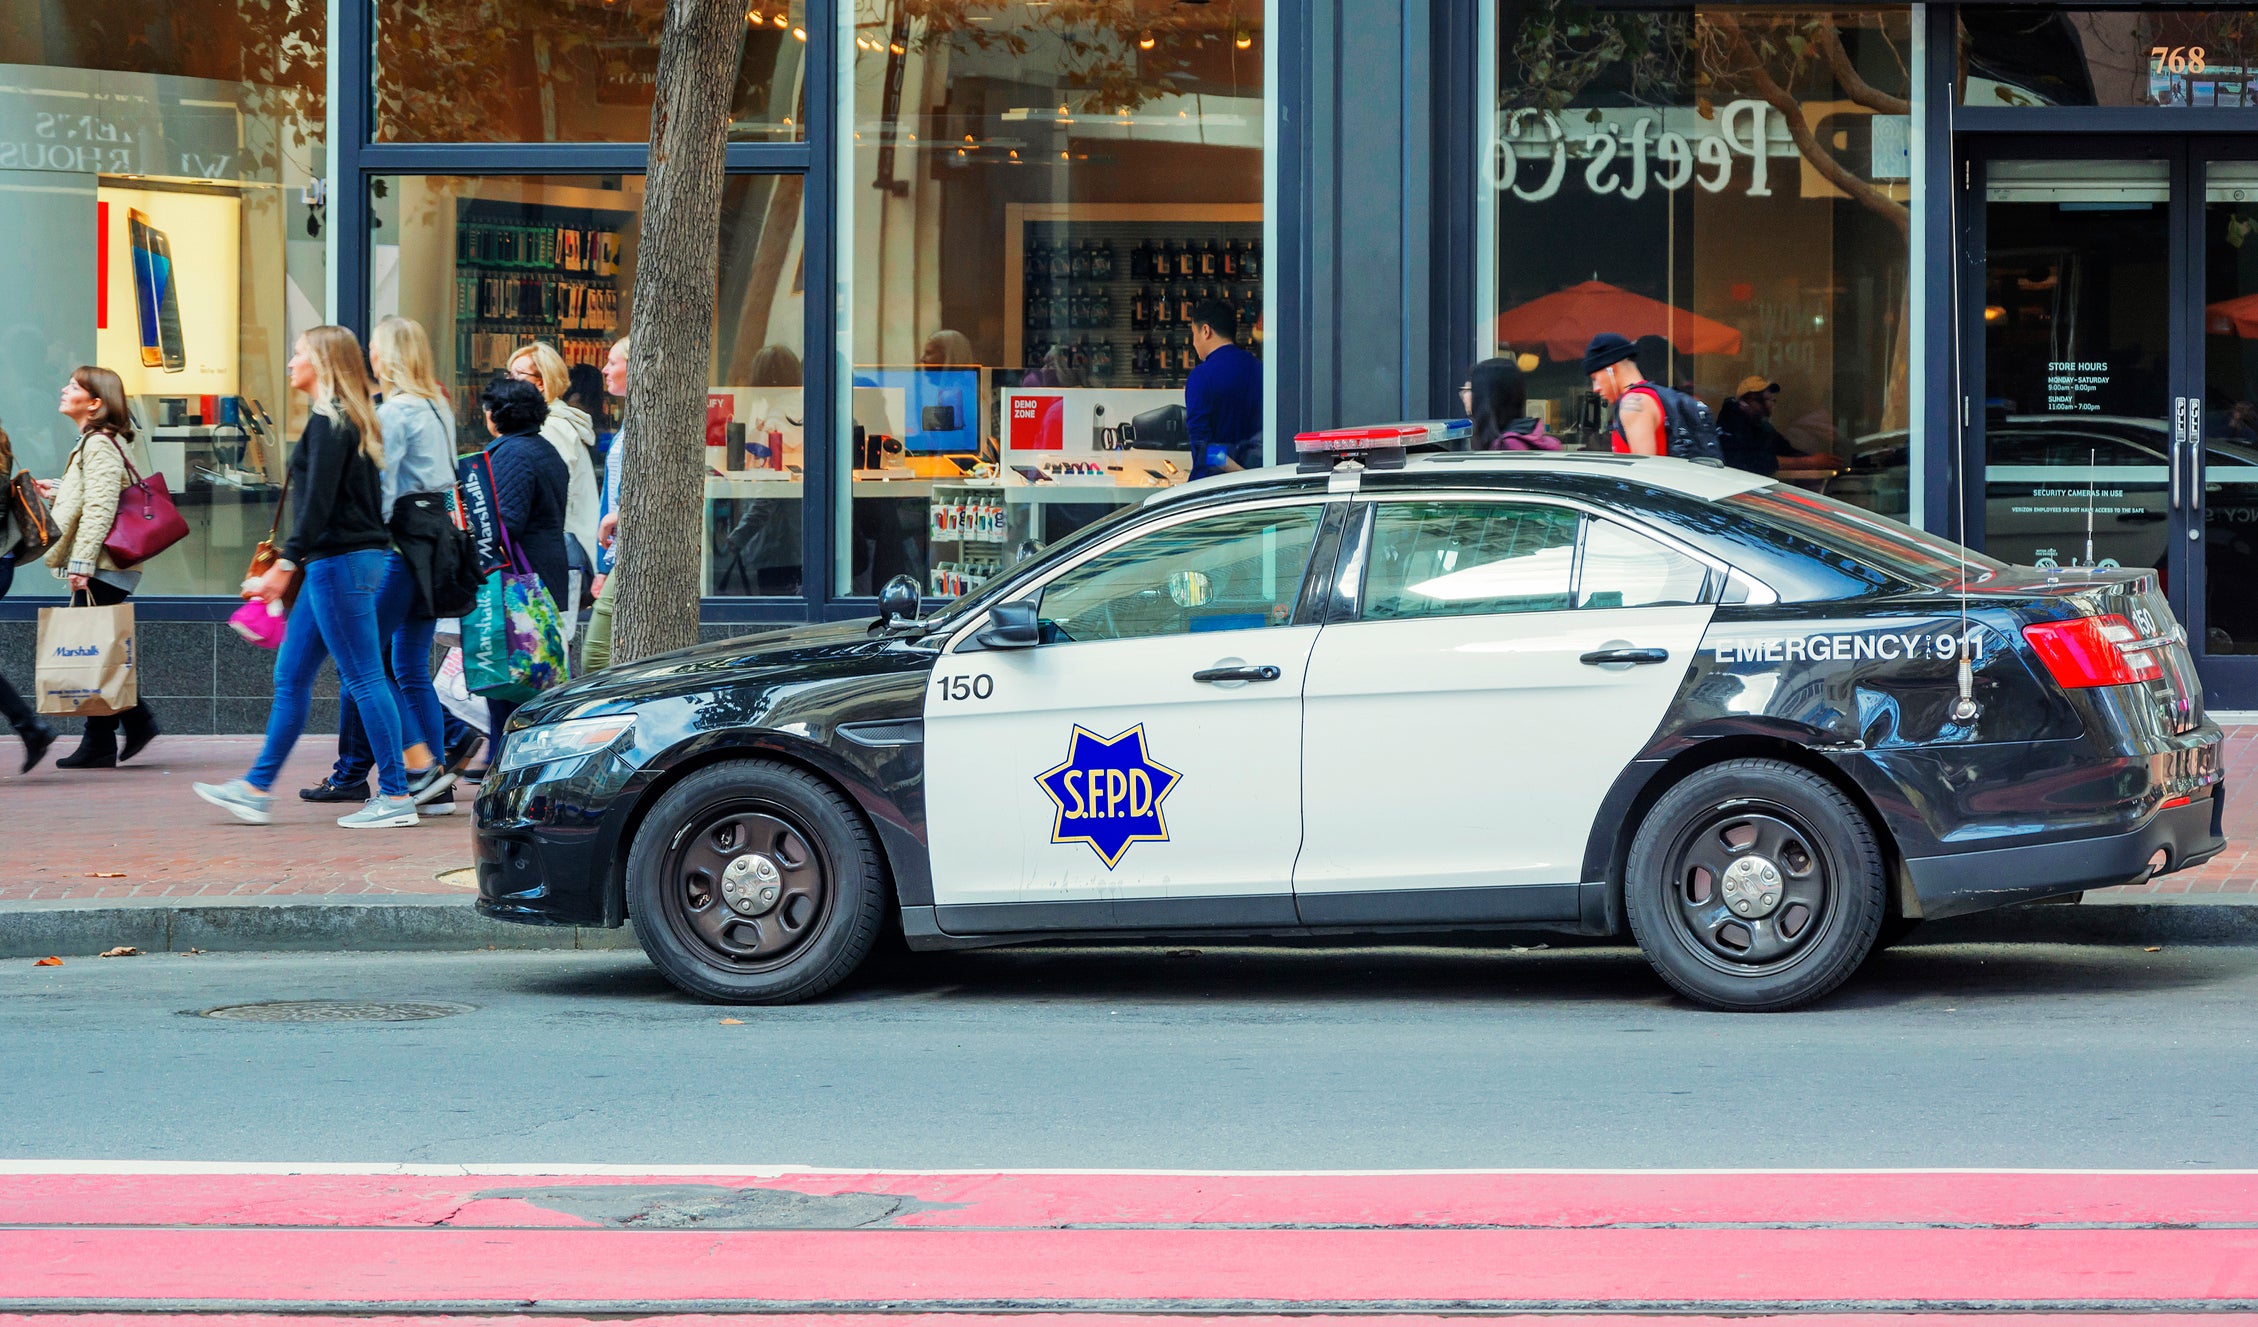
(1848, 78)
(1791, 113)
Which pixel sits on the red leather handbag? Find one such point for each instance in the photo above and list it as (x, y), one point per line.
(147, 523)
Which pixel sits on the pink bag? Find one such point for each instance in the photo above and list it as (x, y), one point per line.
(147, 522)
(260, 623)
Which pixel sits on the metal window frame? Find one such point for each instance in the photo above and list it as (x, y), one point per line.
(357, 159)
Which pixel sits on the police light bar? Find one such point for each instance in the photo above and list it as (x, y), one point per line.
(1383, 437)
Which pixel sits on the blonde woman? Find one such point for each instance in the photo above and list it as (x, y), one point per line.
(573, 434)
(86, 506)
(337, 535)
(418, 481)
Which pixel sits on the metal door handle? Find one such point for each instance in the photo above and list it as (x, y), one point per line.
(1628, 655)
(1239, 673)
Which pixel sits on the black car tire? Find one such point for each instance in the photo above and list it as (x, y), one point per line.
(1824, 860)
(826, 865)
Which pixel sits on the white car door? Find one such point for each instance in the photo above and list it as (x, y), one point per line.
(1143, 764)
(1510, 656)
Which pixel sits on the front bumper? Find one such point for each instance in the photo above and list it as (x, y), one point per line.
(544, 841)
(1964, 882)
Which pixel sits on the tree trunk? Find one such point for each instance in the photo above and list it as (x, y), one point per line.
(662, 487)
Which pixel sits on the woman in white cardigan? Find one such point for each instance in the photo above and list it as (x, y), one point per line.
(573, 434)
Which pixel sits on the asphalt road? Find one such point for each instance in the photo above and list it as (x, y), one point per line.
(1956, 1055)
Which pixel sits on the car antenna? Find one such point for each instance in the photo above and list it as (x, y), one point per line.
(1964, 707)
(2093, 479)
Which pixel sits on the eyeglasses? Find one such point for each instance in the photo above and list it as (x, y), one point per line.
(527, 375)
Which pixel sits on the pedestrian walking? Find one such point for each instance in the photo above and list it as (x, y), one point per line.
(36, 733)
(418, 482)
(1496, 397)
(1610, 363)
(570, 430)
(531, 490)
(338, 538)
(596, 647)
(86, 507)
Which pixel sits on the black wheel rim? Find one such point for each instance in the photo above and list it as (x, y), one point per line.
(1750, 889)
(746, 886)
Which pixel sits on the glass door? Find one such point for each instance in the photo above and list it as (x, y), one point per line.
(2221, 454)
(2077, 409)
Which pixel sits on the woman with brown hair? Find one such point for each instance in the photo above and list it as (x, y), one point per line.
(86, 506)
(337, 533)
(36, 734)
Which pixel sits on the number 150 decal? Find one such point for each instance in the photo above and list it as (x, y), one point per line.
(965, 686)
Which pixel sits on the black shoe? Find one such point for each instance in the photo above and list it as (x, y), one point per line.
(459, 755)
(140, 727)
(330, 790)
(431, 783)
(37, 738)
(92, 753)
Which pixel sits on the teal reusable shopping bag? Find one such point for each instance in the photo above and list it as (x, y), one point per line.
(486, 644)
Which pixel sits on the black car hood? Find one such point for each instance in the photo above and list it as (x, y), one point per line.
(827, 649)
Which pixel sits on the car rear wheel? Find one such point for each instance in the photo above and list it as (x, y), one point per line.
(753, 883)
(1755, 885)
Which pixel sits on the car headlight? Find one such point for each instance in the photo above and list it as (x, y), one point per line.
(562, 741)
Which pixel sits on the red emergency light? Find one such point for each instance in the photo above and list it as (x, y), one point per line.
(1378, 446)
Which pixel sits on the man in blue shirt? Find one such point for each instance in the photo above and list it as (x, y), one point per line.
(1223, 397)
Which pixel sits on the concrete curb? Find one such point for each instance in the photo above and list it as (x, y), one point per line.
(302, 923)
(315, 923)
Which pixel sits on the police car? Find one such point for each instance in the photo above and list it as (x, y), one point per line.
(1756, 731)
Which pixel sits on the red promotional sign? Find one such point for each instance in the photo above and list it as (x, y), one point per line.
(1038, 424)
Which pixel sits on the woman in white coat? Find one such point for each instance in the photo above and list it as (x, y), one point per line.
(573, 434)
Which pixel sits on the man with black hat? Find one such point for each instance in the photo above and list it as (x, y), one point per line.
(1638, 428)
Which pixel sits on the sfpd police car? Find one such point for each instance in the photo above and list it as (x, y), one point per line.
(1758, 731)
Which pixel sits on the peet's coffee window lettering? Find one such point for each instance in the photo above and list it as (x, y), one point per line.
(2072, 386)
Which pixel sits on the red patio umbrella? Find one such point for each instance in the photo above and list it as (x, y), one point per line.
(1564, 321)
(2233, 317)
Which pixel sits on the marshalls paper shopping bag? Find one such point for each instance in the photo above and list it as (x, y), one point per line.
(86, 660)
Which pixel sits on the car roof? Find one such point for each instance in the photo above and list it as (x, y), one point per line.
(1707, 482)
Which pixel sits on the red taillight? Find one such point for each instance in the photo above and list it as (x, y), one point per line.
(2093, 652)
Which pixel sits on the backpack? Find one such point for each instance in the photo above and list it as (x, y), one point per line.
(1690, 431)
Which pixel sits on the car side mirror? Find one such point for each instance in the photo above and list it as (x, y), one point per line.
(899, 600)
(1012, 627)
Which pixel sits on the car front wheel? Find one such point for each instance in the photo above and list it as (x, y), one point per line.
(754, 883)
(1755, 885)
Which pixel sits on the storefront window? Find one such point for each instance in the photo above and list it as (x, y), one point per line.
(153, 167)
(490, 263)
(2150, 55)
(563, 71)
(1040, 203)
(1732, 188)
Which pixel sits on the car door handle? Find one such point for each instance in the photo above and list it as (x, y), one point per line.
(1239, 673)
(1627, 655)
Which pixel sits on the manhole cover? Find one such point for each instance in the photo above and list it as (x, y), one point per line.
(338, 1011)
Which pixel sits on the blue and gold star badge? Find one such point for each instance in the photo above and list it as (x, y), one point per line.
(1108, 792)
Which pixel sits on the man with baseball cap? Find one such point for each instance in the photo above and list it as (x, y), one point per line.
(1610, 363)
(1744, 428)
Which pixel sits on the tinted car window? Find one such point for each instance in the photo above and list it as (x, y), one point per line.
(1215, 573)
(1456, 559)
(1624, 569)
(1863, 537)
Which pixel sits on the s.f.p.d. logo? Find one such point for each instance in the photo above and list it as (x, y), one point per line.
(1108, 793)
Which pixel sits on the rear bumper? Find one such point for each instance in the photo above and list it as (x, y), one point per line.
(1964, 882)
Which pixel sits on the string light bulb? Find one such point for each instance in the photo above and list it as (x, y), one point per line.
(1145, 41)
(1243, 41)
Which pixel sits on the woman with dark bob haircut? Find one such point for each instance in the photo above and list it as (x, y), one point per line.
(531, 484)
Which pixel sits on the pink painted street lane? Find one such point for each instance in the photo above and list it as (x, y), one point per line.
(1090, 1246)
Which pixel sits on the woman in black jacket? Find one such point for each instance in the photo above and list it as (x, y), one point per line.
(35, 732)
(531, 484)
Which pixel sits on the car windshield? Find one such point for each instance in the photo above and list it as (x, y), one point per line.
(1879, 542)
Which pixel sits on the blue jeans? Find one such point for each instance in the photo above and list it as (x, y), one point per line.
(409, 665)
(335, 617)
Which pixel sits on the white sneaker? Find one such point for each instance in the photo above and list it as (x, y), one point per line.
(382, 813)
(240, 800)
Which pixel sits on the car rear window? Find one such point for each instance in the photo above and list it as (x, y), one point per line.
(1891, 547)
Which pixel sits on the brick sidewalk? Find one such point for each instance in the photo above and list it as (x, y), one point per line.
(141, 820)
